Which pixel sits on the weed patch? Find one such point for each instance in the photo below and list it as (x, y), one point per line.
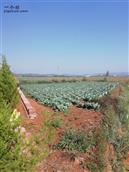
(74, 141)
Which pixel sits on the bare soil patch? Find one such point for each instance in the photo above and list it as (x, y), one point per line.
(77, 118)
(60, 161)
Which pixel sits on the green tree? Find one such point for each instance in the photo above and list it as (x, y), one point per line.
(8, 85)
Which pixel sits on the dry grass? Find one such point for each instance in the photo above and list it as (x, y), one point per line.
(71, 79)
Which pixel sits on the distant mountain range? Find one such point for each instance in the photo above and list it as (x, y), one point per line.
(122, 74)
(113, 74)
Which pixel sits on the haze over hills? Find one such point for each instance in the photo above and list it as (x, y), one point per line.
(122, 74)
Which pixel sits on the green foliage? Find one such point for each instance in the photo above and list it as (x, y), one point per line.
(17, 152)
(115, 125)
(8, 86)
(92, 166)
(117, 166)
(101, 143)
(47, 130)
(11, 158)
(12, 143)
(66, 112)
(122, 108)
(96, 161)
(56, 122)
(113, 131)
(110, 123)
(121, 145)
(74, 141)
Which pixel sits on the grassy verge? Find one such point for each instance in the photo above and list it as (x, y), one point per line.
(112, 138)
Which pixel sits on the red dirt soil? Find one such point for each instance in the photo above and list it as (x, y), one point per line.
(82, 119)
(34, 123)
(77, 118)
(60, 161)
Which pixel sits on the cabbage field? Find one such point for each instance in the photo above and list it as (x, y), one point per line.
(60, 96)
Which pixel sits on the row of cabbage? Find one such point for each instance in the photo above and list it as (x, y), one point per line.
(60, 96)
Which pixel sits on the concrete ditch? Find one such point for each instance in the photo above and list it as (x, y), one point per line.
(29, 109)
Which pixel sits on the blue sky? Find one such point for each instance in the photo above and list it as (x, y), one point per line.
(72, 37)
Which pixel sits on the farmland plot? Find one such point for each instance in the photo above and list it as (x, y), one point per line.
(60, 96)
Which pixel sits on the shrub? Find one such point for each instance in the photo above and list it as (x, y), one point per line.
(10, 145)
(12, 142)
(8, 85)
